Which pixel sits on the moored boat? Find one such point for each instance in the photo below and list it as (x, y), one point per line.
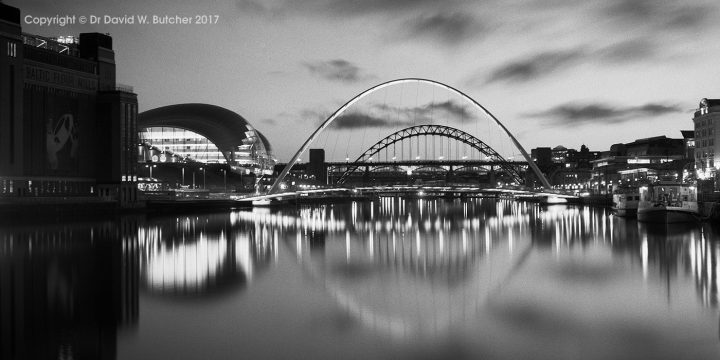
(668, 202)
(262, 202)
(625, 201)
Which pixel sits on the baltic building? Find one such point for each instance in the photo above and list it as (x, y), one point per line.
(67, 129)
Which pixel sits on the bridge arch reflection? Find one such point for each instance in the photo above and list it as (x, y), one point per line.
(408, 268)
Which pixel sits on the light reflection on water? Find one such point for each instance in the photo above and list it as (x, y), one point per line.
(412, 278)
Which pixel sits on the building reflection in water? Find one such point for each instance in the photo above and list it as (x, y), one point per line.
(685, 250)
(401, 267)
(201, 255)
(65, 290)
(406, 267)
(702, 262)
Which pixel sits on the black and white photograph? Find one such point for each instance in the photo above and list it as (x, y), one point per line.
(359, 179)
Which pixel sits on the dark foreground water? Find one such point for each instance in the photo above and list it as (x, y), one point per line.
(398, 279)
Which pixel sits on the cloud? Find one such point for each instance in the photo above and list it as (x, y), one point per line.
(634, 32)
(658, 109)
(251, 6)
(660, 15)
(535, 67)
(630, 51)
(449, 28)
(336, 70)
(449, 22)
(355, 7)
(262, 8)
(456, 111)
(277, 73)
(315, 116)
(547, 63)
(574, 114)
(357, 120)
(343, 8)
(389, 116)
(449, 111)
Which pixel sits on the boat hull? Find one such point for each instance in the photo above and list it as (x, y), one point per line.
(625, 204)
(625, 212)
(667, 216)
(261, 202)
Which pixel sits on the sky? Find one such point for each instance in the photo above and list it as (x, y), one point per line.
(555, 72)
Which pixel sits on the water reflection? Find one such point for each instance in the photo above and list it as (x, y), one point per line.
(492, 278)
(65, 290)
(195, 255)
(685, 250)
(412, 267)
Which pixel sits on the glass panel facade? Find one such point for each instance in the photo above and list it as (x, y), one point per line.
(183, 143)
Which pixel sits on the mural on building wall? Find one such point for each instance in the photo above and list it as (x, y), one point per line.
(62, 142)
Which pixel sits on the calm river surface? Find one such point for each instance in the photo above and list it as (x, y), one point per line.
(395, 278)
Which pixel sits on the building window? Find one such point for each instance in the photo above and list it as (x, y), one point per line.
(12, 49)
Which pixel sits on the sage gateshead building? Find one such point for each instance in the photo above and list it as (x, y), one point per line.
(203, 133)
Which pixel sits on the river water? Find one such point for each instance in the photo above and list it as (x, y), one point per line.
(395, 278)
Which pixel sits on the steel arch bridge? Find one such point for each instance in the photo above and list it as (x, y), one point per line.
(276, 185)
(434, 130)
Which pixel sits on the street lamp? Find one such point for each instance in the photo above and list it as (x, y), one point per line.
(203, 170)
(225, 178)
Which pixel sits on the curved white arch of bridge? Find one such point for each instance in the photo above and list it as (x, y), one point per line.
(358, 97)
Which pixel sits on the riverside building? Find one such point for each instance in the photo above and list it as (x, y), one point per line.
(67, 129)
